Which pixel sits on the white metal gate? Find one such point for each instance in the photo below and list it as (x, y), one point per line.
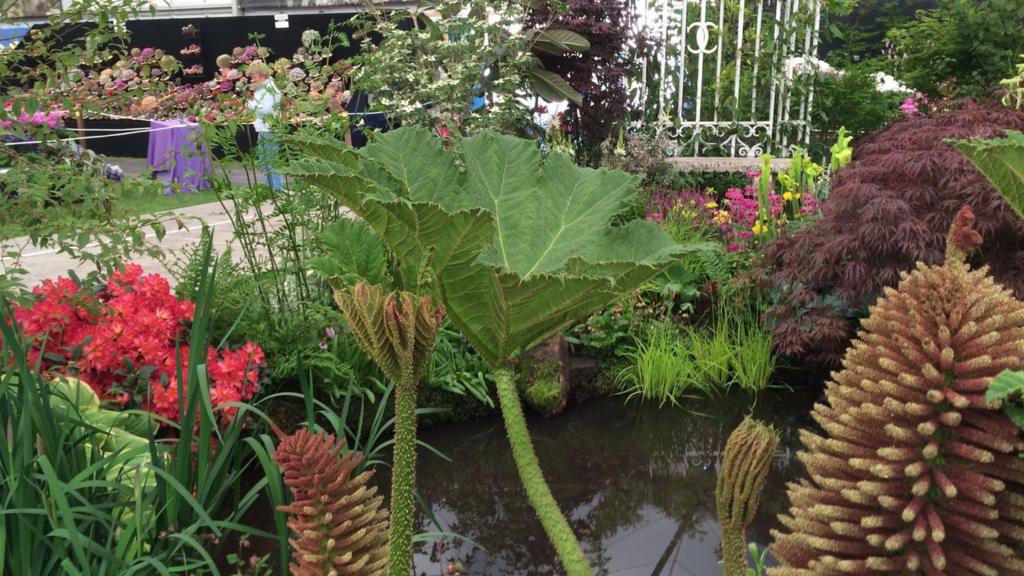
(724, 78)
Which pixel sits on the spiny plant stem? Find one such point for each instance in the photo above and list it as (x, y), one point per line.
(403, 480)
(555, 524)
(734, 555)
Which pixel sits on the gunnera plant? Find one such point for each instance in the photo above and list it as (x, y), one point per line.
(516, 247)
(915, 473)
(888, 209)
(745, 462)
(340, 525)
(397, 330)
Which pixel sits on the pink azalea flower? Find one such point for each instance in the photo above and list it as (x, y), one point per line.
(909, 107)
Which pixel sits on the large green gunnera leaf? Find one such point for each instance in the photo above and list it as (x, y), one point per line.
(1001, 160)
(516, 246)
(406, 188)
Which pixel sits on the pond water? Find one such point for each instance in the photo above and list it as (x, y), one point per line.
(637, 482)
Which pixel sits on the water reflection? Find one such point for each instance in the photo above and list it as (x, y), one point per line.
(638, 484)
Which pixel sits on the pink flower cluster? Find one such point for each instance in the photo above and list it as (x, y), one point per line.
(51, 119)
(736, 219)
(124, 340)
(244, 55)
(663, 201)
(913, 105)
(141, 55)
(742, 206)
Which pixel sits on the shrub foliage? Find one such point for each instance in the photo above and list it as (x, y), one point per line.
(889, 209)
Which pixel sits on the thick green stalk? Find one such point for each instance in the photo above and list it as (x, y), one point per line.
(745, 463)
(557, 528)
(734, 552)
(403, 480)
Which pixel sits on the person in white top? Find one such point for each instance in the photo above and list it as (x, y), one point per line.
(265, 105)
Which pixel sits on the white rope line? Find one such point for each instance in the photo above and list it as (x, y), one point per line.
(102, 129)
(96, 137)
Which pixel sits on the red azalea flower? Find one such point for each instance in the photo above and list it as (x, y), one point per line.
(134, 324)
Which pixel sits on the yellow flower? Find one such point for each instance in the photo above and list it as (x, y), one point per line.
(788, 196)
(757, 229)
(722, 217)
(711, 205)
(799, 196)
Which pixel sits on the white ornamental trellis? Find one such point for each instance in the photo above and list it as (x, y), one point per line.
(725, 77)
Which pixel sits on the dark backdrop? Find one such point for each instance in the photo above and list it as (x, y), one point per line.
(218, 35)
(864, 29)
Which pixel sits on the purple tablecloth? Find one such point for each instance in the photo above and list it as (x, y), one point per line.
(177, 155)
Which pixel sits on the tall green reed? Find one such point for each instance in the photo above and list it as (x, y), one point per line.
(659, 368)
(731, 349)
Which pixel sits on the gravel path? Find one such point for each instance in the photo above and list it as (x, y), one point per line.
(48, 263)
(43, 263)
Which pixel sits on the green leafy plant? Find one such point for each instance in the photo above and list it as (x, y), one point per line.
(854, 102)
(1008, 390)
(515, 248)
(753, 359)
(659, 368)
(758, 558)
(711, 352)
(766, 224)
(960, 47)
(610, 332)
(449, 53)
(352, 252)
(293, 329)
(456, 368)
(841, 153)
(1014, 86)
(731, 349)
(798, 182)
(54, 195)
(121, 433)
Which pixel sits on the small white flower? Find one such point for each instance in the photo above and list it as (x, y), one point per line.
(887, 83)
(796, 66)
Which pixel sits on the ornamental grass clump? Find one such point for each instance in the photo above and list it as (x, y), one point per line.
(915, 473)
(340, 525)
